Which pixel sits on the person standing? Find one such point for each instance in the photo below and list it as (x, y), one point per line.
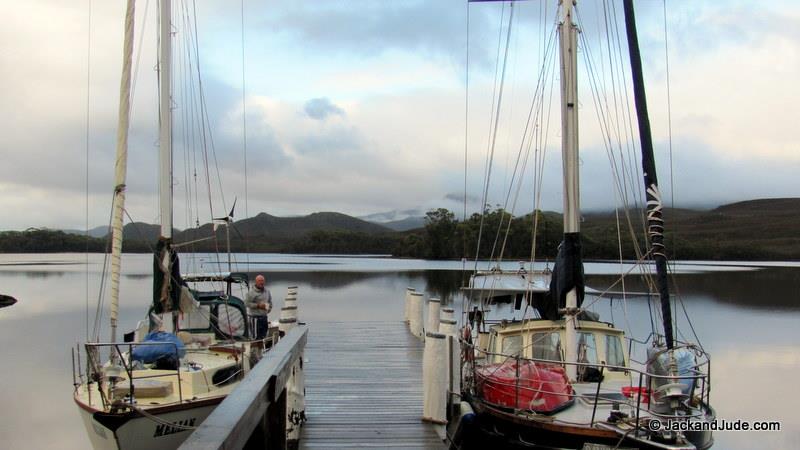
(259, 305)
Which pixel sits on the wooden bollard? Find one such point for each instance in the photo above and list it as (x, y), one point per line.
(415, 318)
(434, 304)
(434, 376)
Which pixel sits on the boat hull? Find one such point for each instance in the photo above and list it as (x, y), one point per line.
(166, 428)
(494, 426)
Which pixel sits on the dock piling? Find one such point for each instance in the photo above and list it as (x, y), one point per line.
(434, 372)
(434, 306)
(415, 323)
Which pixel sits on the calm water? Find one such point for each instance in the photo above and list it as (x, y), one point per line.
(746, 316)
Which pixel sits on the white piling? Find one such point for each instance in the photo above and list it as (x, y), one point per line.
(434, 378)
(407, 314)
(449, 328)
(289, 312)
(291, 290)
(288, 319)
(415, 316)
(447, 314)
(434, 304)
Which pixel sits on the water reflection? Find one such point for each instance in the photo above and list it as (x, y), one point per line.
(775, 288)
(746, 320)
(444, 284)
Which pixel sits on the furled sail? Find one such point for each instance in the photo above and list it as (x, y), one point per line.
(567, 275)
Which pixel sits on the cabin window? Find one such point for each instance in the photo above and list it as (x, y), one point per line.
(587, 348)
(614, 353)
(512, 345)
(230, 320)
(196, 318)
(547, 346)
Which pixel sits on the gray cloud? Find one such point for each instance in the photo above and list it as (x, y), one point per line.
(459, 197)
(321, 108)
(370, 28)
(335, 140)
(297, 165)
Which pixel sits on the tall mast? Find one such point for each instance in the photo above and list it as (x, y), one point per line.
(567, 31)
(121, 167)
(655, 223)
(165, 120)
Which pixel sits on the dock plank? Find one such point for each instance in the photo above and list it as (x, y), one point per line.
(364, 388)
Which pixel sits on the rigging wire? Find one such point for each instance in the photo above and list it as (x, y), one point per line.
(465, 299)
(466, 152)
(605, 121)
(633, 167)
(669, 122)
(139, 53)
(608, 142)
(98, 315)
(671, 171)
(532, 125)
(86, 137)
(194, 123)
(97, 326)
(244, 134)
(493, 131)
(542, 147)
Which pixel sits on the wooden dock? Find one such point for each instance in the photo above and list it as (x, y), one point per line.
(364, 388)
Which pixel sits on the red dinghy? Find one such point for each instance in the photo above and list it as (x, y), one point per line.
(543, 388)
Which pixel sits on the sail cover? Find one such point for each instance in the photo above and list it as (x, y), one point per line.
(167, 279)
(567, 274)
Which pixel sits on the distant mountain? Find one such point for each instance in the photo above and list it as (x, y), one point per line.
(267, 226)
(96, 232)
(774, 206)
(764, 229)
(144, 232)
(409, 223)
(760, 229)
(267, 233)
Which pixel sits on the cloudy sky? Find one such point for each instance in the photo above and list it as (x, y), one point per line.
(359, 106)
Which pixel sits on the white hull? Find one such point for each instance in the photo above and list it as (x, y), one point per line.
(145, 433)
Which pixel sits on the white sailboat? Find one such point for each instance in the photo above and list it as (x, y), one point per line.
(563, 378)
(195, 346)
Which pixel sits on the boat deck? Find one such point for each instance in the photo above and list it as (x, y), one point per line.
(364, 388)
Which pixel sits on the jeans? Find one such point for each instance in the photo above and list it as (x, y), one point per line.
(262, 326)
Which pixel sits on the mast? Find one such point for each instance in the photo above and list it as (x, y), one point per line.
(567, 31)
(121, 167)
(655, 223)
(165, 120)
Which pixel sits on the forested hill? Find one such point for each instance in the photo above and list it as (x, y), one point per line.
(766, 229)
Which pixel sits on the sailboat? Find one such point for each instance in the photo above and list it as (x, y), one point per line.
(195, 346)
(564, 379)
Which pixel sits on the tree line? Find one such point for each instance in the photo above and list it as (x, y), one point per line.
(491, 235)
